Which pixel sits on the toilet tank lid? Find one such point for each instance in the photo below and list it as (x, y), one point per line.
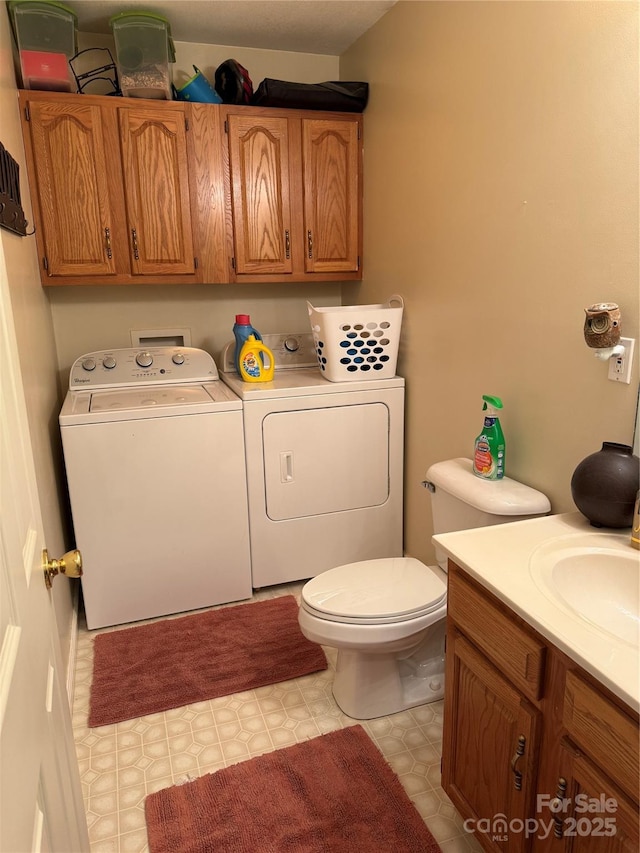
(496, 497)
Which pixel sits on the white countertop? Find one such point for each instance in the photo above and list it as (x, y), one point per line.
(498, 558)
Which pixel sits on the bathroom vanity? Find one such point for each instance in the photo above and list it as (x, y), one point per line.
(540, 743)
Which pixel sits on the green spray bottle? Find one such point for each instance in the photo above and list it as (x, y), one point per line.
(489, 450)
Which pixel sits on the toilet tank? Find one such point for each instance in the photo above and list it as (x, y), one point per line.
(461, 500)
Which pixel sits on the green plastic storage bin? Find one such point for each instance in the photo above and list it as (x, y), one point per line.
(46, 34)
(144, 51)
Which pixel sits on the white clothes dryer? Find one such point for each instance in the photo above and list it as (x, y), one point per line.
(324, 464)
(154, 452)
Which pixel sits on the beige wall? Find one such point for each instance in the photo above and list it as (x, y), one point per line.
(88, 318)
(34, 332)
(278, 64)
(501, 199)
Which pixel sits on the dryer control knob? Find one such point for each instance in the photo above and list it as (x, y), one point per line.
(435, 684)
(144, 359)
(292, 344)
(109, 362)
(177, 358)
(89, 364)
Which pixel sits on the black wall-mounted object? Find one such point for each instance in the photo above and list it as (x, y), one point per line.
(11, 213)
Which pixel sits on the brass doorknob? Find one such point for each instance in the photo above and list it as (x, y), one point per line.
(70, 565)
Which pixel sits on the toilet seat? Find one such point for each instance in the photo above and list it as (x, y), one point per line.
(374, 592)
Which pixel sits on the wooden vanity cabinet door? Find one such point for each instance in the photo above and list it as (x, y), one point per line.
(157, 193)
(590, 831)
(487, 723)
(76, 162)
(331, 174)
(607, 734)
(260, 194)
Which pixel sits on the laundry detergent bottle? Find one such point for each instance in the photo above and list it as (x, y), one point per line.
(242, 328)
(252, 361)
(489, 450)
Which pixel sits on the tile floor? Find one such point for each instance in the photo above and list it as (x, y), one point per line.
(120, 764)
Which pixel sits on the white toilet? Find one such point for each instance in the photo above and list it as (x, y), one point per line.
(387, 617)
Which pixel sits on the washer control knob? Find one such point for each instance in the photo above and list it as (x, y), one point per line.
(109, 362)
(89, 364)
(291, 344)
(178, 358)
(144, 359)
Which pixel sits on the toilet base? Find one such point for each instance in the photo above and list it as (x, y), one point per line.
(367, 686)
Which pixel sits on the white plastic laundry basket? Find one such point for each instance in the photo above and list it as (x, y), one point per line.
(355, 342)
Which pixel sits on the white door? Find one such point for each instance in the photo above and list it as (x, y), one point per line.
(40, 796)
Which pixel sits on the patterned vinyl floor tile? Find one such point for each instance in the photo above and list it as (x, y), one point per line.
(120, 764)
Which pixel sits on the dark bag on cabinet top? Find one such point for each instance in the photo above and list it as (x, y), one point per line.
(342, 96)
(232, 83)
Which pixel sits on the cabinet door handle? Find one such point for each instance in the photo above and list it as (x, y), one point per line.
(517, 775)
(134, 240)
(287, 245)
(310, 244)
(107, 242)
(557, 805)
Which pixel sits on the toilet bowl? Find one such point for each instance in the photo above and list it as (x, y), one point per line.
(386, 617)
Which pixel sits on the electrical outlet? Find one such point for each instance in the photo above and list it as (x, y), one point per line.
(620, 365)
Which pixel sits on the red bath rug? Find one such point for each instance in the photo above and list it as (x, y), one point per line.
(332, 794)
(175, 662)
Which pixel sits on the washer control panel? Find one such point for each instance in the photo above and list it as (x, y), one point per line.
(129, 367)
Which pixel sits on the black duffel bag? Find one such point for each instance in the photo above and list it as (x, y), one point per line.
(340, 96)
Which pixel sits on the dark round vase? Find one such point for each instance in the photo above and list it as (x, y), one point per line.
(605, 484)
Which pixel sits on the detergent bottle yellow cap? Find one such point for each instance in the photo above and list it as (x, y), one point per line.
(252, 361)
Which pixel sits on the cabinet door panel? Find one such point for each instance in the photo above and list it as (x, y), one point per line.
(259, 161)
(154, 151)
(612, 825)
(485, 720)
(73, 192)
(331, 163)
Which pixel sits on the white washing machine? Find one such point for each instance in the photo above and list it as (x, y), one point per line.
(154, 451)
(324, 464)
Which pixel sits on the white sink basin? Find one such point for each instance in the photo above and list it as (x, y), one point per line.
(595, 577)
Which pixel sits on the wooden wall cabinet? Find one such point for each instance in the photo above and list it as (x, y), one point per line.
(115, 191)
(524, 729)
(127, 191)
(295, 194)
